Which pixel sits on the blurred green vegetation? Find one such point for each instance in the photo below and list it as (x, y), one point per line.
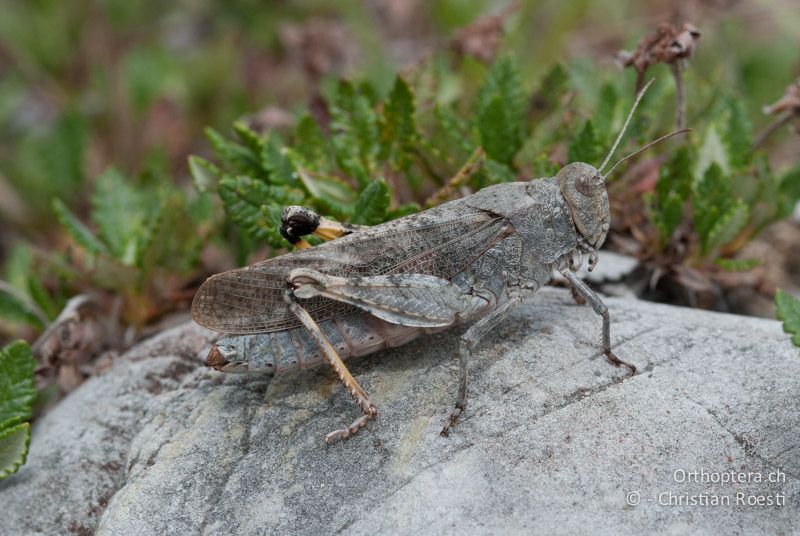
(102, 102)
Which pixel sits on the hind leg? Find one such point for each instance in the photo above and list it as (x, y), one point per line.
(297, 222)
(359, 395)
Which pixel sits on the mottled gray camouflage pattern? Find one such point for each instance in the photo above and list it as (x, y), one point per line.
(502, 242)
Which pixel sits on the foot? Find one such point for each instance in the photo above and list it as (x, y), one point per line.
(357, 425)
(617, 362)
(459, 409)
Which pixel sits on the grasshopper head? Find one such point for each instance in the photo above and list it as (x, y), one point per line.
(584, 189)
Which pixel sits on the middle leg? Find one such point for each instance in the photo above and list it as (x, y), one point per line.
(469, 340)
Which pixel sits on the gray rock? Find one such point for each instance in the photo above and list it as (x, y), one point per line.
(554, 439)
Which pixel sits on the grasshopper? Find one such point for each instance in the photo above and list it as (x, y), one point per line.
(466, 261)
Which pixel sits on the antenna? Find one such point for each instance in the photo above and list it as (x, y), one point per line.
(654, 142)
(627, 121)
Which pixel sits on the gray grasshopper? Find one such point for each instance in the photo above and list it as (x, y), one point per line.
(466, 261)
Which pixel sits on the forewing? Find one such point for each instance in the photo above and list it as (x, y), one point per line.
(439, 242)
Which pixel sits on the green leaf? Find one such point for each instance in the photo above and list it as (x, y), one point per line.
(789, 192)
(543, 167)
(251, 139)
(126, 216)
(241, 158)
(51, 165)
(247, 202)
(738, 134)
(354, 132)
(399, 135)
(585, 147)
(606, 111)
(453, 128)
(718, 215)
(666, 206)
(18, 266)
(551, 90)
(42, 298)
(738, 265)
(403, 210)
(326, 187)
(712, 151)
(497, 172)
(14, 443)
(725, 229)
(77, 230)
(205, 174)
(372, 206)
(17, 386)
(788, 311)
(311, 144)
(502, 111)
(16, 307)
(280, 163)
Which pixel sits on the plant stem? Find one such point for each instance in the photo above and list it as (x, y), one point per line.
(680, 97)
(779, 121)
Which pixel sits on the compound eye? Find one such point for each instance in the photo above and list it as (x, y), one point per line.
(590, 185)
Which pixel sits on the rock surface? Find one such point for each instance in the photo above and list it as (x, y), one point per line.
(554, 439)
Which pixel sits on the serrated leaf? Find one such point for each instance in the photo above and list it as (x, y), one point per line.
(354, 132)
(77, 230)
(232, 154)
(42, 298)
(17, 386)
(585, 147)
(738, 135)
(497, 172)
(738, 265)
(14, 443)
(399, 134)
(311, 144)
(15, 307)
(244, 198)
(666, 205)
(730, 223)
(326, 187)
(204, 173)
(126, 216)
(502, 111)
(668, 215)
(605, 111)
(372, 206)
(281, 163)
(787, 309)
(712, 151)
(251, 139)
(551, 89)
(453, 127)
(718, 215)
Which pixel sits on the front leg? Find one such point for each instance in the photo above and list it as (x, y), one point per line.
(601, 309)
